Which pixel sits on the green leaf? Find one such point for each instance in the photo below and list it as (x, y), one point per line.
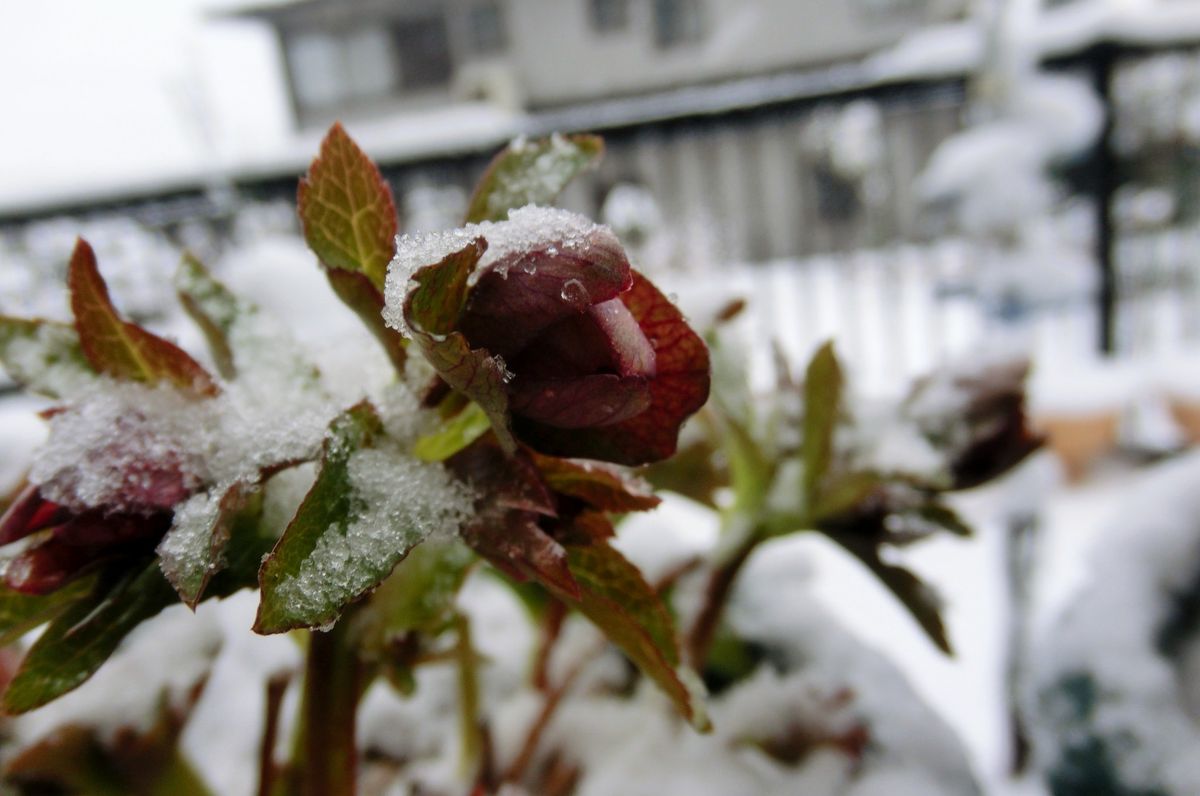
(347, 211)
(80, 639)
(434, 305)
(192, 551)
(121, 349)
(20, 613)
(914, 594)
(325, 559)
(213, 308)
(419, 594)
(619, 601)
(945, 517)
(843, 494)
(457, 433)
(531, 172)
(822, 404)
(44, 356)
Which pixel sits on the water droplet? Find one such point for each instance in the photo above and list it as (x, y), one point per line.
(552, 251)
(673, 298)
(574, 293)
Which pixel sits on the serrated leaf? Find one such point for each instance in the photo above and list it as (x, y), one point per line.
(121, 349)
(598, 485)
(212, 307)
(531, 172)
(433, 305)
(618, 600)
(43, 356)
(455, 434)
(80, 639)
(319, 565)
(822, 405)
(347, 210)
(192, 551)
(20, 613)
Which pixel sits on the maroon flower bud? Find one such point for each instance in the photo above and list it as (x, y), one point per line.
(541, 320)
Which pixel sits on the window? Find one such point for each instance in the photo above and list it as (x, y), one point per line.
(608, 16)
(677, 22)
(423, 53)
(329, 70)
(486, 29)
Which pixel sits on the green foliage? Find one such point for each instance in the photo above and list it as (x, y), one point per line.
(120, 349)
(531, 172)
(328, 509)
(82, 637)
(41, 355)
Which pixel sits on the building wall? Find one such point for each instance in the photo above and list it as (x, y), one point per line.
(559, 57)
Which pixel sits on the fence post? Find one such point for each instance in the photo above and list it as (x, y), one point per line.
(1104, 185)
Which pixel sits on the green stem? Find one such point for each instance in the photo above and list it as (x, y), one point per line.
(468, 695)
(332, 686)
(716, 594)
(180, 778)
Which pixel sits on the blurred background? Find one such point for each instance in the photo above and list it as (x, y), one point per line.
(925, 181)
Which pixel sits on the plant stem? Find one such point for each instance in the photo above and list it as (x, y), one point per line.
(468, 695)
(332, 686)
(716, 595)
(268, 771)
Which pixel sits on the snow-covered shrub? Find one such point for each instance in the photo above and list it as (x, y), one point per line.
(461, 500)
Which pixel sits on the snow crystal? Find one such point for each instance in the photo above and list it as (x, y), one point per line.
(401, 501)
(128, 438)
(185, 548)
(44, 362)
(527, 228)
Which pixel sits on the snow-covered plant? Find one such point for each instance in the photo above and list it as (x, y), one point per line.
(529, 365)
(523, 337)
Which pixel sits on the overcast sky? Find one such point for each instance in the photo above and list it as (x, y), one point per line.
(123, 92)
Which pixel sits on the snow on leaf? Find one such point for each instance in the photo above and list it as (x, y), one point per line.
(531, 172)
(79, 640)
(44, 356)
(121, 349)
(602, 487)
(679, 387)
(618, 600)
(431, 309)
(191, 551)
(822, 403)
(369, 506)
(347, 210)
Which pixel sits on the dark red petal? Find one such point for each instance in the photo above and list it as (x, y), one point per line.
(585, 402)
(679, 388)
(29, 513)
(77, 546)
(524, 293)
(632, 352)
